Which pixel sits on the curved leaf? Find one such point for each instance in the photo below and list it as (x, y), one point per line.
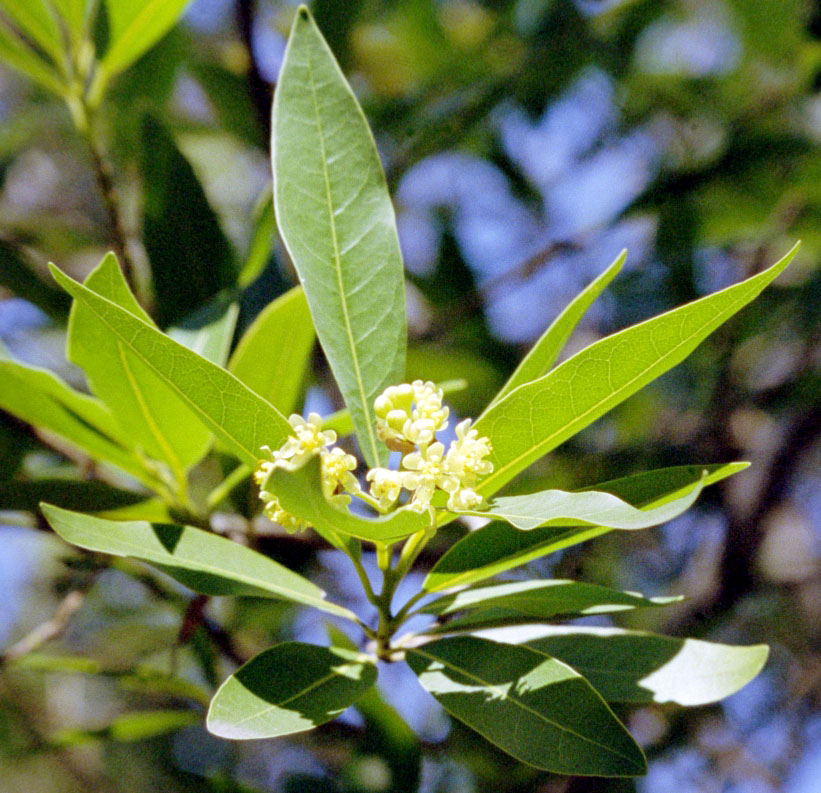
(635, 666)
(498, 547)
(290, 688)
(531, 706)
(544, 352)
(337, 221)
(202, 561)
(230, 409)
(538, 416)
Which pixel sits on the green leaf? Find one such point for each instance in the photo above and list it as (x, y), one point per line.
(209, 331)
(634, 666)
(191, 259)
(591, 508)
(36, 20)
(538, 416)
(544, 352)
(41, 399)
(134, 26)
(290, 688)
(544, 599)
(262, 240)
(337, 221)
(147, 409)
(130, 727)
(17, 275)
(88, 496)
(530, 705)
(201, 561)
(75, 14)
(14, 53)
(243, 420)
(498, 547)
(274, 353)
(299, 493)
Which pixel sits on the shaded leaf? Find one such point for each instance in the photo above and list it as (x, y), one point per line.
(498, 547)
(86, 496)
(14, 53)
(538, 416)
(201, 561)
(36, 20)
(17, 275)
(530, 705)
(337, 221)
(262, 241)
(290, 688)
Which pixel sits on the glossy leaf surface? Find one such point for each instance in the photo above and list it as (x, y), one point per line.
(337, 221)
(290, 688)
(530, 705)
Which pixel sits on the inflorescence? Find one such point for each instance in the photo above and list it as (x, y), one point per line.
(408, 417)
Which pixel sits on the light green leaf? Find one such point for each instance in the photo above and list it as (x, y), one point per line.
(14, 53)
(134, 26)
(498, 547)
(75, 14)
(591, 508)
(202, 561)
(150, 411)
(299, 493)
(243, 420)
(290, 688)
(544, 599)
(36, 20)
(262, 240)
(130, 727)
(209, 331)
(530, 705)
(337, 221)
(544, 352)
(273, 354)
(634, 666)
(41, 399)
(538, 416)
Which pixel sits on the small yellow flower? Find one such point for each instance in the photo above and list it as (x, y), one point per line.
(337, 467)
(425, 472)
(466, 455)
(386, 486)
(273, 510)
(464, 500)
(308, 439)
(410, 415)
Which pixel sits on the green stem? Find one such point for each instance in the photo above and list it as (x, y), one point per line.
(224, 488)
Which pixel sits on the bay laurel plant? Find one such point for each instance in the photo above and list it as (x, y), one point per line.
(493, 653)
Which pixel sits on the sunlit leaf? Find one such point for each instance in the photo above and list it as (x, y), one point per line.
(290, 688)
(203, 561)
(14, 53)
(75, 14)
(208, 331)
(530, 705)
(36, 20)
(337, 221)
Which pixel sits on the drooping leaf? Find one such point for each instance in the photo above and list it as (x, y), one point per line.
(498, 547)
(191, 259)
(273, 355)
(209, 331)
(544, 599)
(18, 55)
(538, 416)
(203, 561)
(299, 493)
(530, 705)
(337, 221)
(544, 352)
(290, 688)
(591, 508)
(134, 26)
(147, 409)
(238, 416)
(36, 20)
(634, 666)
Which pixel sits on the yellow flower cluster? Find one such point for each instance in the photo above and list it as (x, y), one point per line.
(408, 418)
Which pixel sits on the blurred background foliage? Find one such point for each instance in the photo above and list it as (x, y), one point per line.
(526, 142)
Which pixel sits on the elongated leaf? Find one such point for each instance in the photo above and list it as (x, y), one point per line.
(544, 599)
(144, 405)
(300, 494)
(538, 416)
(41, 399)
(36, 20)
(337, 221)
(262, 240)
(89, 496)
(544, 352)
(75, 14)
(530, 705)
(14, 53)
(591, 507)
(635, 666)
(134, 26)
(202, 561)
(209, 331)
(129, 727)
(498, 547)
(290, 688)
(236, 414)
(273, 354)
(17, 275)
(191, 258)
